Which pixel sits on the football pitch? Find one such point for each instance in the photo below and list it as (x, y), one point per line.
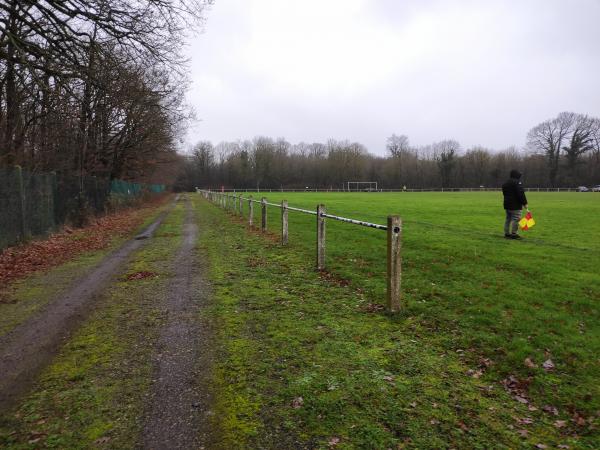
(522, 315)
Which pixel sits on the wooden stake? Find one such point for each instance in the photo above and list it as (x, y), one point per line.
(263, 215)
(394, 264)
(250, 211)
(321, 237)
(284, 222)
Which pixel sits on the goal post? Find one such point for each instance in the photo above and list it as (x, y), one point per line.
(361, 186)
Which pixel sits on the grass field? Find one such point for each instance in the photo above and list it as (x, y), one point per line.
(312, 359)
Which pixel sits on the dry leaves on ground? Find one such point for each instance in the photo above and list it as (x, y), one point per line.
(19, 261)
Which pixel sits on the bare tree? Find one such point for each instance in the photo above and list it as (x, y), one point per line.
(548, 138)
(582, 140)
(475, 166)
(57, 67)
(445, 154)
(397, 144)
(276, 163)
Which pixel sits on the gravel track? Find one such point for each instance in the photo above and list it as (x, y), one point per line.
(178, 406)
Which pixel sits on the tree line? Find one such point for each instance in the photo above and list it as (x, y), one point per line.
(561, 152)
(93, 87)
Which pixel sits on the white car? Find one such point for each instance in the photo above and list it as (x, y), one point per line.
(582, 189)
(596, 188)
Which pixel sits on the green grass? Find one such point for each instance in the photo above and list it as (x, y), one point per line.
(475, 302)
(93, 393)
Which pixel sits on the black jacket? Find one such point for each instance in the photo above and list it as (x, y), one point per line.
(514, 195)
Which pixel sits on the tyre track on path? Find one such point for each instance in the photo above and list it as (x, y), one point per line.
(30, 346)
(179, 401)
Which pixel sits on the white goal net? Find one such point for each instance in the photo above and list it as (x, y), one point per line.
(361, 186)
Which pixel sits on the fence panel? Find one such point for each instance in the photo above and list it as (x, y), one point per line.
(11, 216)
(39, 204)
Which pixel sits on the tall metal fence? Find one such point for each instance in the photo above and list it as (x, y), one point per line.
(35, 204)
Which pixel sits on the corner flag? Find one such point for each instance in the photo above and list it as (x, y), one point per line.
(526, 222)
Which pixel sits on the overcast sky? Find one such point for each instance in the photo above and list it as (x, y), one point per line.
(480, 72)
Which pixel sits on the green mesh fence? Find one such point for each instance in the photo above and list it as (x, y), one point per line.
(11, 214)
(35, 204)
(128, 188)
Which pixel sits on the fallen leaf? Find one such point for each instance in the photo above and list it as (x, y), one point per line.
(525, 421)
(516, 386)
(540, 446)
(548, 365)
(297, 402)
(413, 404)
(521, 399)
(485, 362)
(550, 410)
(578, 419)
(560, 423)
(141, 275)
(532, 408)
(563, 446)
(434, 422)
(475, 373)
(334, 441)
(529, 363)
(102, 440)
(523, 433)
(388, 378)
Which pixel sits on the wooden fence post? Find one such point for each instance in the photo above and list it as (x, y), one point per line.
(250, 211)
(394, 264)
(321, 237)
(263, 215)
(284, 222)
(241, 205)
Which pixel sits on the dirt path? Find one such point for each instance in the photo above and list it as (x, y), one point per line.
(29, 347)
(178, 406)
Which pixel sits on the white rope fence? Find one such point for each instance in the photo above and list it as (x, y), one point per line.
(235, 203)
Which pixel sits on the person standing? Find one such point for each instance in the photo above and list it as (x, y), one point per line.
(514, 201)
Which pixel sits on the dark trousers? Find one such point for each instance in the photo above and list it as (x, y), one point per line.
(511, 224)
